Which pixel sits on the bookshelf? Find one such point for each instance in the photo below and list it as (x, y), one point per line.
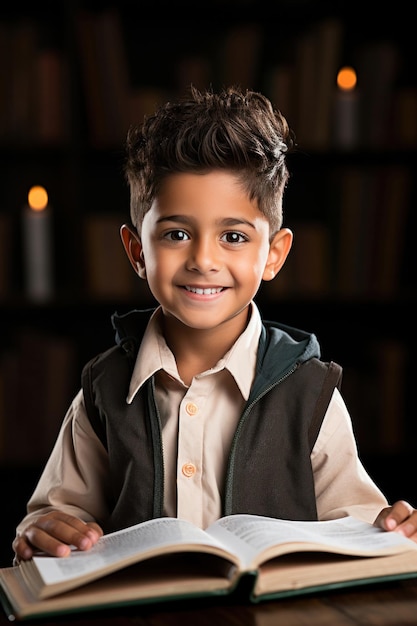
(351, 277)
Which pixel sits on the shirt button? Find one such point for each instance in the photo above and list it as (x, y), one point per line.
(188, 469)
(191, 408)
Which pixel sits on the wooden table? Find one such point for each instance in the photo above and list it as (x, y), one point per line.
(389, 604)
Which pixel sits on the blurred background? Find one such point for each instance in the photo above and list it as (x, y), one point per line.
(75, 75)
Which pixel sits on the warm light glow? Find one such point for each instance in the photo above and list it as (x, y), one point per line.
(37, 198)
(346, 79)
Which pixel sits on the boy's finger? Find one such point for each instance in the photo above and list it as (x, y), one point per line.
(392, 517)
(399, 512)
(44, 542)
(22, 549)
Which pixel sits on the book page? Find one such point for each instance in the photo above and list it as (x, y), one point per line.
(257, 538)
(314, 570)
(121, 548)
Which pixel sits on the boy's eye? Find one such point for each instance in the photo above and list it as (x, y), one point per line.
(234, 237)
(177, 235)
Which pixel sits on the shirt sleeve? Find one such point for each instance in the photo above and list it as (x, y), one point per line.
(343, 487)
(76, 474)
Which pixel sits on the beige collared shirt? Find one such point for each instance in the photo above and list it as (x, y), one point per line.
(198, 423)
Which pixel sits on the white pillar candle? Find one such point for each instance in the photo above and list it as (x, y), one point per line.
(37, 245)
(346, 111)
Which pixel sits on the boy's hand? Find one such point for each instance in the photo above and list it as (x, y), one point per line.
(54, 533)
(401, 518)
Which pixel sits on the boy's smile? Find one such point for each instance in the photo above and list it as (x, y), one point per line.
(204, 249)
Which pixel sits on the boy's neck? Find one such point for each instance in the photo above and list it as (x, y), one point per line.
(196, 350)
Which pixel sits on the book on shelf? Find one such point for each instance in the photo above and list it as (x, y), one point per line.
(52, 97)
(280, 88)
(358, 221)
(5, 78)
(22, 86)
(108, 271)
(5, 254)
(310, 259)
(391, 215)
(316, 62)
(305, 86)
(240, 54)
(378, 65)
(36, 79)
(167, 559)
(374, 205)
(39, 372)
(329, 39)
(404, 125)
(391, 367)
(113, 73)
(105, 75)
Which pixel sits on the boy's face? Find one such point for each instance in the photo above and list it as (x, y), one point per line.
(204, 249)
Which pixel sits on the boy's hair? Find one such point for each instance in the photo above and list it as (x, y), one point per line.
(204, 131)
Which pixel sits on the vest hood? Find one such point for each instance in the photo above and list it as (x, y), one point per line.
(282, 348)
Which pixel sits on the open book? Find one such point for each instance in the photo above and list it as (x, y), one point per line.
(168, 559)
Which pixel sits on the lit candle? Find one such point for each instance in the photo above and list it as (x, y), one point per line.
(346, 109)
(38, 245)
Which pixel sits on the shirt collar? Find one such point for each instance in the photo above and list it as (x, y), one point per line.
(155, 355)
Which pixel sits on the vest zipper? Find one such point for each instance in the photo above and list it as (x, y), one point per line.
(156, 429)
(230, 465)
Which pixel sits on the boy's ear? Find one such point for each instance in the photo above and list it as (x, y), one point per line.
(278, 252)
(133, 248)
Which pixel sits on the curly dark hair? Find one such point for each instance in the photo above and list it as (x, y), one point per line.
(203, 131)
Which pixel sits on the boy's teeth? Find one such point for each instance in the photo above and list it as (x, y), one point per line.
(205, 292)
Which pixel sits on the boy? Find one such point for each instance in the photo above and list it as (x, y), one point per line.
(203, 409)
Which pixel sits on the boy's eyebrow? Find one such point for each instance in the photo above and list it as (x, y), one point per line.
(235, 221)
(227, 221)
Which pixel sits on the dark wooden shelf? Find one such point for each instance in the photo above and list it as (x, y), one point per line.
(84, 180)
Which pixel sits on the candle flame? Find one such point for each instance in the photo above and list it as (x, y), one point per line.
(346, 78)
(37, 198)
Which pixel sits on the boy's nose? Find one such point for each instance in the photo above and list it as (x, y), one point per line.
(204, 257)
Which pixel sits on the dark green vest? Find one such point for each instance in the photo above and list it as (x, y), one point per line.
(269, 470)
